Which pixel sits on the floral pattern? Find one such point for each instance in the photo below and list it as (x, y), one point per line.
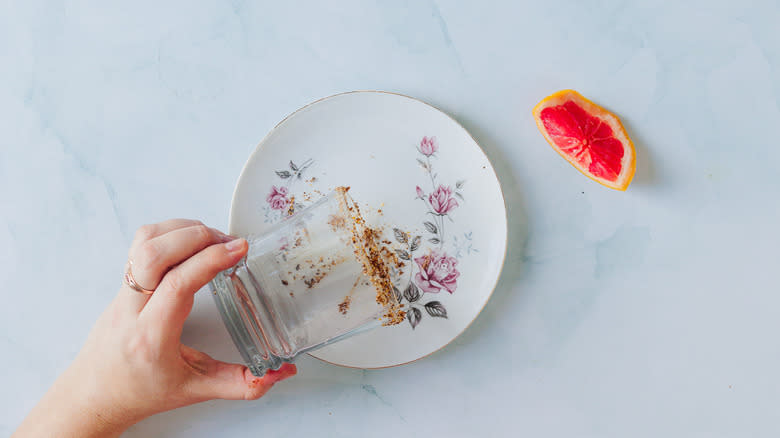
(434, 270)
(437, 272)
(280, 202)
(429, 146)
(431, 269)
(277, 199)
(441, 200)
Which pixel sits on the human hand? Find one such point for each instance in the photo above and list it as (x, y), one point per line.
(133, 363)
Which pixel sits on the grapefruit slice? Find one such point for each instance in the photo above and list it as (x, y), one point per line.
(589, 137)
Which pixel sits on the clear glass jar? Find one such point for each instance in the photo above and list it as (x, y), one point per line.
(300, 287)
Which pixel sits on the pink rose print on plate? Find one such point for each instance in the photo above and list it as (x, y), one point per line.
(429, 146)
(278, 198)
(282, 200)
(437, 271)
(442, 201)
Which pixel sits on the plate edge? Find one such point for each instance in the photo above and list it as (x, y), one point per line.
(492, 168)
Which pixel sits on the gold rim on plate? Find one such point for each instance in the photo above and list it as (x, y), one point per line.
(258, 148)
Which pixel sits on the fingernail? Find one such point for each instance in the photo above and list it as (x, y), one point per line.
(235, 245)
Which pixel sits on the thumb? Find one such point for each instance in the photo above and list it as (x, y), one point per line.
(232, 381)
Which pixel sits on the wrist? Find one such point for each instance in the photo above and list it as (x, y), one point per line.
(94, 402)
(74, 408)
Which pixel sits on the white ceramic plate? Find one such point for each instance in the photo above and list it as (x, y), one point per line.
(429, 177)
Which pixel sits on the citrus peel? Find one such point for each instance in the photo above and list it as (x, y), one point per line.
(589, 137)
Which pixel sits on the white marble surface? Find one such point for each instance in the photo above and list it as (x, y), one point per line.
(652, 312)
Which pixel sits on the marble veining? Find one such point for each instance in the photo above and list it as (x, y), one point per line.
(645, 313)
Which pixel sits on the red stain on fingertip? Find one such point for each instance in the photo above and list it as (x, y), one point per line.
(273, 376)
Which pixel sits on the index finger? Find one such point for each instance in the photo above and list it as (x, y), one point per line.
(150, 231)
(172, 302)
